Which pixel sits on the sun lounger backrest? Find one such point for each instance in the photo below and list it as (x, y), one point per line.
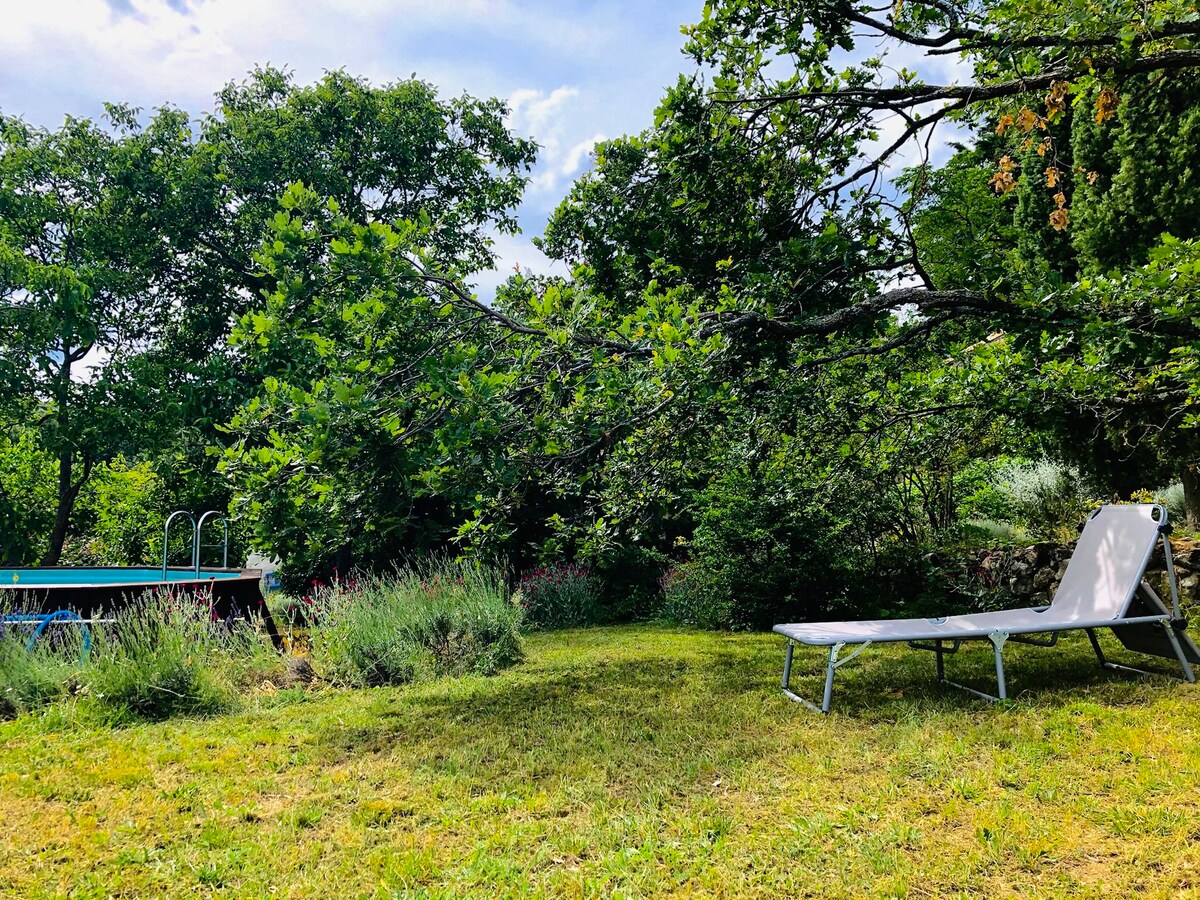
(1107, 565)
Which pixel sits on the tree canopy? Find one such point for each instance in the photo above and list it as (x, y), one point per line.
(799, 328)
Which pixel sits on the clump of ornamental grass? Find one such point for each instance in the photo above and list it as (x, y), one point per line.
(37, 676)
(440, 618)
(565, 596)
(164, 655)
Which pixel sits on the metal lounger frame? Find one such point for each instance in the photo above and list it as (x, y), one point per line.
(1169, 623)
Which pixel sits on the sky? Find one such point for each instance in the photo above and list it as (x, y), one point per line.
(573, 72)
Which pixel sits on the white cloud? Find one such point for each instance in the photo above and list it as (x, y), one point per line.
(550, 119)
(574, 157)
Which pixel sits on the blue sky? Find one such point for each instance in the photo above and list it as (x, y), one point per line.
(574, 72)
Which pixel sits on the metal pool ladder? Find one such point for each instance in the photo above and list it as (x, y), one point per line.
(197, 526)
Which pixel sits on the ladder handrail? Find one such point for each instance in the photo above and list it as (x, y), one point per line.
(195, 540)
(225, 542)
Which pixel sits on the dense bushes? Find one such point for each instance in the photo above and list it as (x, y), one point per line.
(442, 619)
(118, 517)
(757, 556)
(164, 657)
(560, 596)
(1014, 500)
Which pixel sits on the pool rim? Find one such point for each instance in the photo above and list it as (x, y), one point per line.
(230, 576)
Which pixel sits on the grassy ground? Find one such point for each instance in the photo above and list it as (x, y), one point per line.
(628, 762)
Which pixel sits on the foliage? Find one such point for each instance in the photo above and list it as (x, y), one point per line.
(77, 266)
(429, 621)
(690, 597)
(1140, 160)
(767, 365)
(27, 496)
(560, 596)
(127, 249)
(764, 557)
(118, 517)
(1051, 501)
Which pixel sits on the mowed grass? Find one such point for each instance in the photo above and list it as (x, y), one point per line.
(629, 761)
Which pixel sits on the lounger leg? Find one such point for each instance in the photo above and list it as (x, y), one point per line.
(833, 661)
(836, 661)
(998, 638)
(787, 677)
(1188, 675)
(787, 680)
(941, 662)
(1091, 633)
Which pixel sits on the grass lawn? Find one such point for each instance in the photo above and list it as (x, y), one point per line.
(628, 762)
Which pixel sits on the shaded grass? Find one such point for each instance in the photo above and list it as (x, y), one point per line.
(628, 761)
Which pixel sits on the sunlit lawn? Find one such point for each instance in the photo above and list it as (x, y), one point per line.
(628, 762)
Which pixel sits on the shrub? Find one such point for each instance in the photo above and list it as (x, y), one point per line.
(441, 619)
(760, 557)
(560, 596)
(1051, 499)
(28, 495)
(690, 598)
(118, 518)
(629, 583)
(164, 656)
(1172, 497)
(1035, 499)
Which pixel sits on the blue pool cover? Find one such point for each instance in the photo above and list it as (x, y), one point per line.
(77, 577)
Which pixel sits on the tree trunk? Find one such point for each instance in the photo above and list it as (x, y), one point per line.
(1191, 493)
(68, 487)
(68, 492)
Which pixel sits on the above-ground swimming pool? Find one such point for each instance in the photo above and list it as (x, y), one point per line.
(93, 590)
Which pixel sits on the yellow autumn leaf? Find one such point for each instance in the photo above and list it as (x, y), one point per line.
(1007, 164)
(1092, 176)
(1002, 182)
(1059, 219)
(1106, 104)
(1044, 146)
(1006, 122)
(1027, 119)
(1060, 199)
(1056, 100)
(1051, 177)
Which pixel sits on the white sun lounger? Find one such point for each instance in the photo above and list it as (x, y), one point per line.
(1102, 588)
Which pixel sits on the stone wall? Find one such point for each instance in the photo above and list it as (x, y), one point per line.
(1030, 575)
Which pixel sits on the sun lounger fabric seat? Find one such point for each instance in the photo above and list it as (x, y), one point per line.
(1103, 587)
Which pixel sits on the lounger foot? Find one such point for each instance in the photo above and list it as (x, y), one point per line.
(1117, 667)
(796, 698)
(1168, 628)
(970, 690)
